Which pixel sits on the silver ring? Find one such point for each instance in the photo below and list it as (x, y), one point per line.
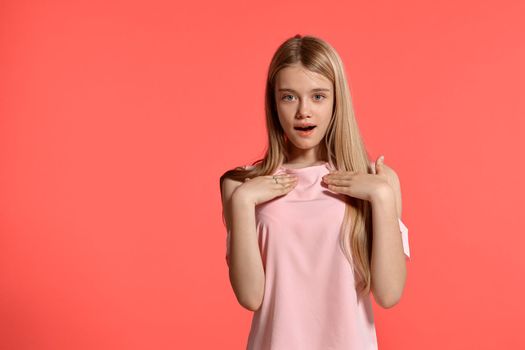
(275, 178)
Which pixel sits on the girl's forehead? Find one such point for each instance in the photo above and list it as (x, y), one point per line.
(299, 72)
(293, 78)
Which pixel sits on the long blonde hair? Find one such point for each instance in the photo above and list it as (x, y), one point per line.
(342, 145)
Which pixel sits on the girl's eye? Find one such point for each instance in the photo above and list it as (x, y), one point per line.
(285, 97)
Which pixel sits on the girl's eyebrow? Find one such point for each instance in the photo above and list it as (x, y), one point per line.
(313, 90)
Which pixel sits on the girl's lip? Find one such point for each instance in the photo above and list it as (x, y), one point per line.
(303, 125)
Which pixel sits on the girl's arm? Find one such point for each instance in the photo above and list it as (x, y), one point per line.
(388, 266)
(246, 271)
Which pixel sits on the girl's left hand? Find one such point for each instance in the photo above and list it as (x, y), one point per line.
(357, 184)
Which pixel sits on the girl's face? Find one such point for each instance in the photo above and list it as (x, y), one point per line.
(303, 97)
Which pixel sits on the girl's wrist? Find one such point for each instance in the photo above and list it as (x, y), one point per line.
(382, 193)
(239, 196)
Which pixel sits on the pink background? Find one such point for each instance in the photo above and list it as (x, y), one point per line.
(117, 119)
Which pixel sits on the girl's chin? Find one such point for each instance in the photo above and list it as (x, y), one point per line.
(303, 144)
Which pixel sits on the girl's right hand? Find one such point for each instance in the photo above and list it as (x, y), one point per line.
(261, 189)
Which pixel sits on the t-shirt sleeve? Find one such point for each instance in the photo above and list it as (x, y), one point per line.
(404, 237)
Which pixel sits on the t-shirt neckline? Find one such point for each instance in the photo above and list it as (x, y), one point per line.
(307, 168)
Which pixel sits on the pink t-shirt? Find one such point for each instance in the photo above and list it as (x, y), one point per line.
(310, 301)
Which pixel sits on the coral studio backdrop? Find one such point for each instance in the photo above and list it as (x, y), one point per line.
(117, 119)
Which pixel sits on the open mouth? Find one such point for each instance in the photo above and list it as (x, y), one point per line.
(308, 128)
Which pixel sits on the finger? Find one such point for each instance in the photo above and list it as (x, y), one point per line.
(291, 186)
(288, 181)
(285, 177)
(339, 182)
(379, 165)
(285, 187)
(281, 176)
(283, 180)
(340, 174)
(338, 189)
